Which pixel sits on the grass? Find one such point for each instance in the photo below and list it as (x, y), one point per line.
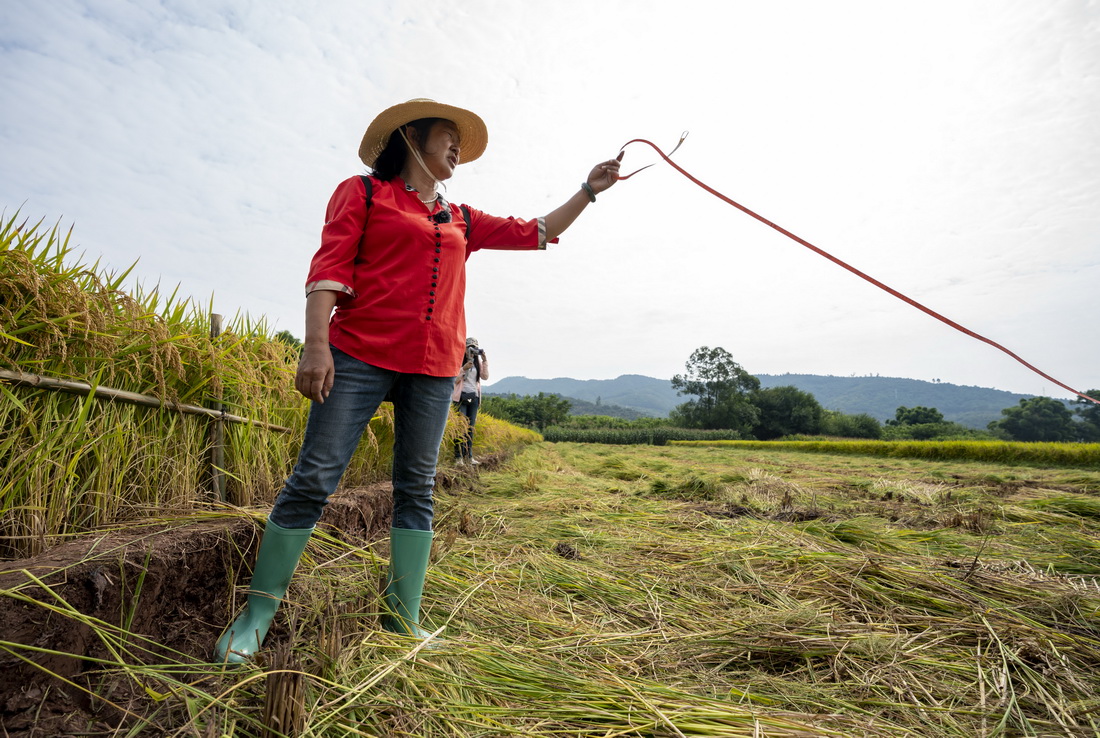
(589, 590)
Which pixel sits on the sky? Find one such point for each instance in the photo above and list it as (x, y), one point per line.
(948, 148)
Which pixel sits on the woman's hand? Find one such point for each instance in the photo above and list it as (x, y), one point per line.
(604, 175)
(315, 373)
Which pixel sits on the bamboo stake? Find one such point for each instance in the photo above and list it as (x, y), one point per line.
(217, 427)
(82, 388)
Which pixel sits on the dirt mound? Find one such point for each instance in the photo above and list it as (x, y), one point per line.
(169, 583)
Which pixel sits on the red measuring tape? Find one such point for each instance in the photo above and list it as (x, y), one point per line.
(839, 262)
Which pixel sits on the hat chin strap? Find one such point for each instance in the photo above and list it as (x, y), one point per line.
(416, 155)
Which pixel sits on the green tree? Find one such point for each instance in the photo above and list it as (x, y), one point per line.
(289, 339)
(1036, 419)
(722, 390)
(785, 411)
(918, 415)
(840, 424)
(1089, 413)
(588, 422)
(539, 411)
(929, 431)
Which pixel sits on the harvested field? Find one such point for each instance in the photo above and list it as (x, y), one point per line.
(602, 590)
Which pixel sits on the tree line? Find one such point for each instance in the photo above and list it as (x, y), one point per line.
(725, 397)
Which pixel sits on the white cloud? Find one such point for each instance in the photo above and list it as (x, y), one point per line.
(949, 149)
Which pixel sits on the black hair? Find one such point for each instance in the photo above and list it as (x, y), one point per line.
(392, 159)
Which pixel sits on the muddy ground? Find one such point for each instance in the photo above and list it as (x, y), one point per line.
(183, 605)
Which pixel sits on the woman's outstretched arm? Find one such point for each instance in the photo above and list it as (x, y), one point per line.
(601, 177)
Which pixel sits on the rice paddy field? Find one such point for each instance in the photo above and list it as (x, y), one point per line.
(592, 590)
(811, 588)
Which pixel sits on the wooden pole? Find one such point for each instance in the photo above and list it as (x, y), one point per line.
(82, 388)
(217, 426)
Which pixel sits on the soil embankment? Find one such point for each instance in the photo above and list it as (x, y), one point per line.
(168, 583)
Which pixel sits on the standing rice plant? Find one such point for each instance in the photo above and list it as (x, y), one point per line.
(74, 462)
(493, 436)
(1081, 455)
(71, 463)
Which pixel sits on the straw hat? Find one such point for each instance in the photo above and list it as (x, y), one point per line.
(471, 128)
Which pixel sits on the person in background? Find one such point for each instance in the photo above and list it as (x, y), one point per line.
(385, 317)
(467, 397)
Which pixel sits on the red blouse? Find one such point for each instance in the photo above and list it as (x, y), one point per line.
(402, 276)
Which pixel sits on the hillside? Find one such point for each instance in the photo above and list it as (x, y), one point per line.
(652, 397)
(878, 397)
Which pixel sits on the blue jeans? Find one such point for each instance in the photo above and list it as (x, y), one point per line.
(467, 408)
(421, 405)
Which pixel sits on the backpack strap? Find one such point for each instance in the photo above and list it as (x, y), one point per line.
(466, 217)
(369, 186)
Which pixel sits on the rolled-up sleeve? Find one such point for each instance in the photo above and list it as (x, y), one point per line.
(492, 232)
(333, 266)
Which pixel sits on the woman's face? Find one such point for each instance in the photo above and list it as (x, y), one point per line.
(442, 149)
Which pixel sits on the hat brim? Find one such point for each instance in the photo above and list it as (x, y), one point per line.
(473, 136)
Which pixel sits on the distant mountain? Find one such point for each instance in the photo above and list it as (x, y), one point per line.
(878, 397)
(653, 397)
(584, 407)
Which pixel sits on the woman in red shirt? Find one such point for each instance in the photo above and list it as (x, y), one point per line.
(385, 317)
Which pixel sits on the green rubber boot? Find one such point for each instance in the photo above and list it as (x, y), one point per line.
(280, 550)
(409, 550)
